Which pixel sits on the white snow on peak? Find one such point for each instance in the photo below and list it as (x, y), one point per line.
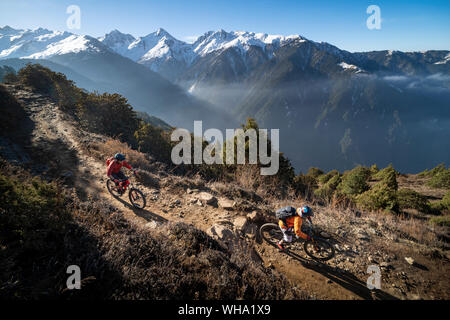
(446, 59)
(350, 67)
(154, 48)
(160, 46)
(71, 44)
(117, 41)
(212, 41)
(40, 43)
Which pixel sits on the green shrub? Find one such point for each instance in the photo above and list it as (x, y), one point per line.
(304, 184)
(354, 182)
(388, 172)
(441, 221)
(108, 114)
(410, 199)
(326, 191)
(443, 205)
(7, 72)
(10, 78)
(55, 85)
(374, 169)
(430, 173)
(154, 141)
(380, 197)
(12, 113)
(440, 179)
(314, 172)
(325, 177)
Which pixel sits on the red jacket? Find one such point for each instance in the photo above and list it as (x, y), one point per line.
(115, 166)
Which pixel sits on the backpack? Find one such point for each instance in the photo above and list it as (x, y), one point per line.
(108, 161)
(285, 213)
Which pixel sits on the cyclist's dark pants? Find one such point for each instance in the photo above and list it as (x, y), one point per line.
(119, 176)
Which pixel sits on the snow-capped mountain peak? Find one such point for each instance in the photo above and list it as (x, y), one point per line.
(71, 44)
(117, 41)
(242, 40)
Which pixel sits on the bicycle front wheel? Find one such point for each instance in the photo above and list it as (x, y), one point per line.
(137, 198)
(319, 249)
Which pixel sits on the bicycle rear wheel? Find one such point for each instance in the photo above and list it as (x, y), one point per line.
(271, 233)
(319, 249)
(137, 198)
(112, 188)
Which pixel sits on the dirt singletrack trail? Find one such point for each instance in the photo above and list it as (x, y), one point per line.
(54, 133)
(318, 278)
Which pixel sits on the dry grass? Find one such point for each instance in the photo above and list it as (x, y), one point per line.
(107, 149)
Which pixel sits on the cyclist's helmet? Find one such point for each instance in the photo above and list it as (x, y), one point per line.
(119, 157)
(305, 211)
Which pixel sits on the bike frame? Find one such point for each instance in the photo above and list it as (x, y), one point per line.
(130, 184)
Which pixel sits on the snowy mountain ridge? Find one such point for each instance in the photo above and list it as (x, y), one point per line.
(158, 45)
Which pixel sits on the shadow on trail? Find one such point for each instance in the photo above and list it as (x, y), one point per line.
(143, 213)
(344, 279)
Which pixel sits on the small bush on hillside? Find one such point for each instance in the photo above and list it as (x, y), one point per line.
(383, 194)
(440, 180)
(154, 141)
(354, 182)
(108, 114)
(326, 191)
(325, 177)
(6, 71)
(430, 173)
(38, 78)
(279, 182)
(387, 173)
(380, 197)
(410, 199)
(374, 169)
(304, 184)
(443, 221)
(314, 172)
(50, 83)
(10, 78)
(12, 113)
(443, 205)
(439, 176)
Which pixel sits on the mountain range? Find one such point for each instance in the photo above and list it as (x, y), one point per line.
(334, 108)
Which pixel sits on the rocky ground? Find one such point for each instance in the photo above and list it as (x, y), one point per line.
(52, 145)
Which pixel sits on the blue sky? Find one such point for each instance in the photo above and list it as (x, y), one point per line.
(406, 25)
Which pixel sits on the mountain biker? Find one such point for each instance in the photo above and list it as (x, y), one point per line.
(113, 171)
(294, 224)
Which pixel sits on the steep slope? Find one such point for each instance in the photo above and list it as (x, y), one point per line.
(58, 148)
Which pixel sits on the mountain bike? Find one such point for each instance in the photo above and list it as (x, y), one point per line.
(317, 248)
(136, 196)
